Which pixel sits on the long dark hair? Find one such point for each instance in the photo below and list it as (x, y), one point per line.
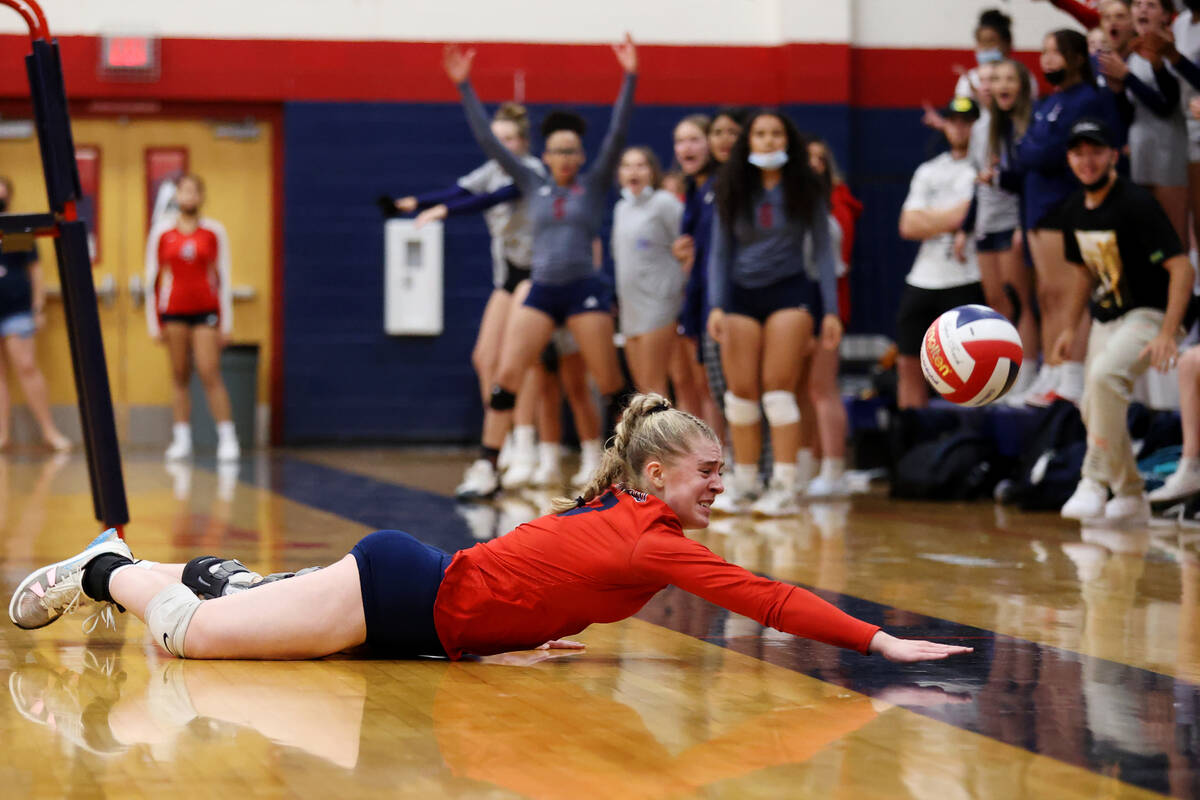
(739, 181)
(1018, 116)
(1073, 47)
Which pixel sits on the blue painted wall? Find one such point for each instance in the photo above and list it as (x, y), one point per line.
(346, 380)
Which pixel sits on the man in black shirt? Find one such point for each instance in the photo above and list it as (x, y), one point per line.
(1133, 268)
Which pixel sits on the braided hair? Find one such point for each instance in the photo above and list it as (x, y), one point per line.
(650, 429)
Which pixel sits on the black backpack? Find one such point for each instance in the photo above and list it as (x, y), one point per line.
(1051, 460)
(955, 466)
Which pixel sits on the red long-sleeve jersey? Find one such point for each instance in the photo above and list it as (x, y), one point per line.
(1085, 12)
(556, 575)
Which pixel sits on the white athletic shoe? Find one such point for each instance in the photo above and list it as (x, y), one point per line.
(1181, 484)
(822, 487)
(520, 471)
(732, 502)
(1087, 502)
(178, 449)
(479, 482)
(228, 450)
(1042, 391)
(1128, 508)
(779, 500)
(589, 462)
(548, 474)
(51, 591)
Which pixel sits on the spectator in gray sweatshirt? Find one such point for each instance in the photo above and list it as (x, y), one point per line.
(765, 307)
(567, 208)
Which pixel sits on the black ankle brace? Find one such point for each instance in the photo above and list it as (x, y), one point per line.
(97, 574)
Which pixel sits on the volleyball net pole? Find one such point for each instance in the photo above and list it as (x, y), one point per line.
(48, 95)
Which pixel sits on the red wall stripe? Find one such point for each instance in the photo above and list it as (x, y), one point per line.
(245, 70)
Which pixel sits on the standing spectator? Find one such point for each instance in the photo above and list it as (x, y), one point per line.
(189, 308)
(1185, 480)
(1186, 30)
(765, 306)
(998, 215)
(822, 413)
(1132, 264)
(1041, 158)
(649, 279)
(22, 312)
(1158, 140)
(938, 199)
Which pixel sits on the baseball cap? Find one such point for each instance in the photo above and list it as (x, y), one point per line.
(962, 107)
(1090, 129)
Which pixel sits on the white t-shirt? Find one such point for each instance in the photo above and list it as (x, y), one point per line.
(937, 184)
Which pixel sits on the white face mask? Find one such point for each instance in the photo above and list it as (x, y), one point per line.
(990, 56)
(773, 160)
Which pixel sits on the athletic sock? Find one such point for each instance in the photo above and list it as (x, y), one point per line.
(783, 474)
(226, 431)
(745, 476)
(832, 468)
(99, 572)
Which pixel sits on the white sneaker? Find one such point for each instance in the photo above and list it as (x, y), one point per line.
(479, 482)
(51, 591)
(779, 500)
(178, 449)
(1087, 502)
(1128, 508)
(228, 450)
(732, 502)
(520, 471)
(821, 487)
(1182, 483)
(589, 462)
(1041, 392)
(549, 471)
(1070, 382)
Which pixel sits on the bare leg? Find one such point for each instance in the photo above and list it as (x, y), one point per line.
(5, 404)
(179, 351)
(1174, 201)
(527, 332)
(206, 346)
(648, 355)
(683, 376)
(786, 335)
(911, 390)
(486, 352)
(593, 330)
(827, 399)
(573, 376)
(309, 616)
(1053, 278)
(1014, 272)
(549, 404)
(993, 283)
(809, 435)
(24, 362)
(1189, 401)
(741, 357)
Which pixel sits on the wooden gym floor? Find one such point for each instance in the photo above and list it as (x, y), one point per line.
(1084, 682)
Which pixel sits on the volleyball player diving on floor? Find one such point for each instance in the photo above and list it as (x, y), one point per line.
(599, 558)
(566, 208)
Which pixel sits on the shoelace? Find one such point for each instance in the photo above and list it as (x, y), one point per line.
(103, 614)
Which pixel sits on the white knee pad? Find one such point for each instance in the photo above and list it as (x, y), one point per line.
(780, 408)
(740, 411)
(168, 615)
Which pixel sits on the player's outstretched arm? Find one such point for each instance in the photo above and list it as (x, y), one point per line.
(907, 651)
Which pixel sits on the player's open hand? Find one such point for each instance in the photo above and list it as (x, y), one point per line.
(457, 61)
(431, 214)
(906, 651)
(626, 54)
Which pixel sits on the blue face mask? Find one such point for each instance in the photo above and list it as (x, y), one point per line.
(628, 194)
(988, 56)
(774, 160)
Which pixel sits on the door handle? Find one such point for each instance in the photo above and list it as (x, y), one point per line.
(137, 292)
(106, 290)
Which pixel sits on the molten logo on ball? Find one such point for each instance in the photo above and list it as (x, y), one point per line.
(970, 355)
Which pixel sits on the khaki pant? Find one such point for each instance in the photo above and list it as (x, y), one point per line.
(1114, 362)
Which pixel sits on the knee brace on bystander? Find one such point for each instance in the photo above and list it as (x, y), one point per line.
(780, 408)
(502, 399)
(740, 411)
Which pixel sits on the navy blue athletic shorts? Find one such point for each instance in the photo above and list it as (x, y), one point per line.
(561, 302)
(400, 577)
(796, 291)
(691, 317)
(997, 242)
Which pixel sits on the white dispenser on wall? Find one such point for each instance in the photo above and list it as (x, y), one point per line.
(412, 282)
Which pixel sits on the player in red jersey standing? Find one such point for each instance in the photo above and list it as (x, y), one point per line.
(599, 559)
(189, 308)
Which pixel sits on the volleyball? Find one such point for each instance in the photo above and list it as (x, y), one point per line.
(970, 355)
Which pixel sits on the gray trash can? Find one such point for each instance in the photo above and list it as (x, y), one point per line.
(239, 368)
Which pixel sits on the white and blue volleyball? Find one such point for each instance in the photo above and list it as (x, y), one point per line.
(971, 355)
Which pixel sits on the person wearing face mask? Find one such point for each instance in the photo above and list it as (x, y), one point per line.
(649, 279)
(22, 313)
(766, 310)
(1040, 159)
(937, 202)
(566, 207)
(1149, 93)
(993, 43)
(1133, 273)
